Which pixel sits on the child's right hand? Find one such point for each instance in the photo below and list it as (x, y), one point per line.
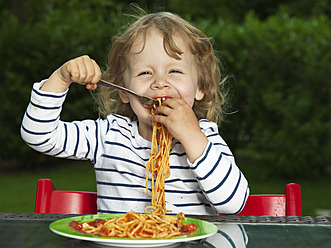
(82, 70)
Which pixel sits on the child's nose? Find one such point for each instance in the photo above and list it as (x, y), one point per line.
(160, 83)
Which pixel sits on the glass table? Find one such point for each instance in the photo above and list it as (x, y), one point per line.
(32, 230)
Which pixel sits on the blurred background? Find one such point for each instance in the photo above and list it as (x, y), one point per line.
(277, 54)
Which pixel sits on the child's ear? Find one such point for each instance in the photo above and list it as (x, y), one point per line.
(124, 97)
(199, 95)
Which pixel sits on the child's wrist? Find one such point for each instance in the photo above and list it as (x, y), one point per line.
(195, 145)
(55, 84)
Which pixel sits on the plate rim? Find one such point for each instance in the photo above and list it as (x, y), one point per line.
(114, 240)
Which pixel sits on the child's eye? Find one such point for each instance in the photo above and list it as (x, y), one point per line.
(144, 73)
(175, 71)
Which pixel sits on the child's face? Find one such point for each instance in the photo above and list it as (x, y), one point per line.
(152, 72)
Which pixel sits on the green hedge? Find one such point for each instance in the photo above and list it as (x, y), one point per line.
(282, 71)
(33, 49)
(280, 85)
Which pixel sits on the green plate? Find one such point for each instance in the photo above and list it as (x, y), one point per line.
(61, 227)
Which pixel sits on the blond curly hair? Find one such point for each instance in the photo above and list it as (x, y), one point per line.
(207, 64)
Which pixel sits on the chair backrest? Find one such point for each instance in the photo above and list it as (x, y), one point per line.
(52, 201)
(288, 204)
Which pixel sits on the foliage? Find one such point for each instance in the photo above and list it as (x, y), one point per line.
(235, 10)
(31, 51)
(282, 70)
(280, 85)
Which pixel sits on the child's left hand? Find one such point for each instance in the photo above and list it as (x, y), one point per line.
(181, 122)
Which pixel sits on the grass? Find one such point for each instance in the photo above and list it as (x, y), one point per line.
(18, 189)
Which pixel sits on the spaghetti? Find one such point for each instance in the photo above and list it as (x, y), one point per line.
(158, 165)
(154, 223)
(137, 225)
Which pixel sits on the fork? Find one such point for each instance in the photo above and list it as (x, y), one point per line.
(146, 101)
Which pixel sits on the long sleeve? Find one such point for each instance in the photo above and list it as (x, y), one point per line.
(43, 130)
(223, 184)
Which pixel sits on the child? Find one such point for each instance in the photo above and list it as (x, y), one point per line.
(161, 56)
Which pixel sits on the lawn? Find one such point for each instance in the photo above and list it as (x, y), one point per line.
(18, 189)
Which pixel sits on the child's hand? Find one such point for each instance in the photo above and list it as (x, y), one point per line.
(82, 70)
(178, 117)
(183, 125)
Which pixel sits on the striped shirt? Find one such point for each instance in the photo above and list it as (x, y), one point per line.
(228, 236)
(212, 184)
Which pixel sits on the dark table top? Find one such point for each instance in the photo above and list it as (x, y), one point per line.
(32, 230)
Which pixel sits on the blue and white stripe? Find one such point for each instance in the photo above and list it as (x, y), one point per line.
(228, 236)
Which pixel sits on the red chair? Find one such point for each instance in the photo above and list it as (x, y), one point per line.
(288, 204)
(52, 201)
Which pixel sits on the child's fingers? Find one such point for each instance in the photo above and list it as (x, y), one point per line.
(82, 70)
(82, 64)
(73, 70)
(93, 74)
(87, 70)
(163, 110)
(91, 86)
(168, 105)
(96, 72)
(160, 119)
